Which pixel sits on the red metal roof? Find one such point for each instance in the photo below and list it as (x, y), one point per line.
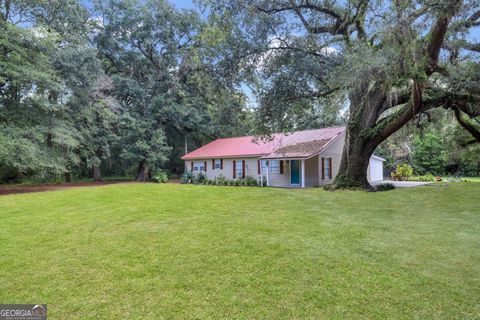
(248, 147)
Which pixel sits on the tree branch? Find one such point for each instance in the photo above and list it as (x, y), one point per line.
(338, 28)
(475, 132)
(463, 44)
(472, 21)
(436, 38)
(306, 5)
(389, 125)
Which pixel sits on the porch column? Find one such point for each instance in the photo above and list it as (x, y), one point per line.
(268, 173)
(303, 173)
(261, 173)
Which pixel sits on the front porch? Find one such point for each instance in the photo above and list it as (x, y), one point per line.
(290, 173)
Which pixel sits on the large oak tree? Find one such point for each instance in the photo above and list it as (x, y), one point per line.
(389, 60)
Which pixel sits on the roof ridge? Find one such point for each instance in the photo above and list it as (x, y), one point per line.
(283, 133)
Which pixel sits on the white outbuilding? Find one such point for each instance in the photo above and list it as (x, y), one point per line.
(375, 168)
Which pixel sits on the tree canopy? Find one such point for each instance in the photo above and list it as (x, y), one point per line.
(389, 61)
(127, 86)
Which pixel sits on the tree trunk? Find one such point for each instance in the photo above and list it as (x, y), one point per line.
(365, 104)
(143, 174)
(355, 159)
(366, 128)
(49, 140)
(96, 173)
(68, 176)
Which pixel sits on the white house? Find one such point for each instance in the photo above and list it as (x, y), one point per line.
(299, 159)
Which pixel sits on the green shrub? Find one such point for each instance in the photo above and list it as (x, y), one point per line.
(384, 187)
(160, 177)
(403, 172)
(220, 180)
(251, 181)
(200, 178)
(187, 177)
(427, 177)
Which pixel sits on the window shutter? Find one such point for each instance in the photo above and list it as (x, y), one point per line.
(330, 168)
(234, 173)
(205, 165)
(213, 164)
(243, 168)
(221, 164)
(258, 166)
(281, 166)
(323, 168)
(191, 166)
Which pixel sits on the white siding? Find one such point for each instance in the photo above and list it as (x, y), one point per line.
(375, 169)
(311, 172)
(281, 179)
(251, 168)
(334, 151)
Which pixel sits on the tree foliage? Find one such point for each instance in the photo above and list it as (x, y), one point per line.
(127, 85)
(390, 61)
(121, 86)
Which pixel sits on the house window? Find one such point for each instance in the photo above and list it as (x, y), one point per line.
(274, 166)
(239, 168)
(327, 168)
(199, 166)
(264, 166)
(218, 164)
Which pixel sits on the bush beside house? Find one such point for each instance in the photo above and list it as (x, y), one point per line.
(200, 178)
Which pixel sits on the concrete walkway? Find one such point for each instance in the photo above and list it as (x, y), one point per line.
(401, 184)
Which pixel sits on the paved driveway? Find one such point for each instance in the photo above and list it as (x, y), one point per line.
(401, 184)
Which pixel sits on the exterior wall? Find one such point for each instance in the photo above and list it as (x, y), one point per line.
(334, 151)
(281, 179)
(251, 168)
(375, 169)
(311, 172)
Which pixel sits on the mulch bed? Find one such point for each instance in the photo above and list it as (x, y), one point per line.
(12, 189)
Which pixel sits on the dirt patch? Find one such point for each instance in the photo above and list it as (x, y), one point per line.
(12, 189)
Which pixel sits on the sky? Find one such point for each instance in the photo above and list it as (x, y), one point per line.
(183, 4)
(189, 4)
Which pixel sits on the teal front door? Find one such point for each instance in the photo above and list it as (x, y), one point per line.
(294, 172)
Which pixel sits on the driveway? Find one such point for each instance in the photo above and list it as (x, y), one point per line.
(401, 184)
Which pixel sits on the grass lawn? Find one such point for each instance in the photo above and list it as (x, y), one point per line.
(149, 251)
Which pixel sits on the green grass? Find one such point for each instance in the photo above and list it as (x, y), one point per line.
(59, 180)
(154, 251)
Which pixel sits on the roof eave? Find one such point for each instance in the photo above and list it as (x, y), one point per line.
(224, 157)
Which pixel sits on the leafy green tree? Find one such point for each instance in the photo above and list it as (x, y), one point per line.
(168, 90)
(389, 60)
(428, 154)
(26, 73)
(48, 76)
